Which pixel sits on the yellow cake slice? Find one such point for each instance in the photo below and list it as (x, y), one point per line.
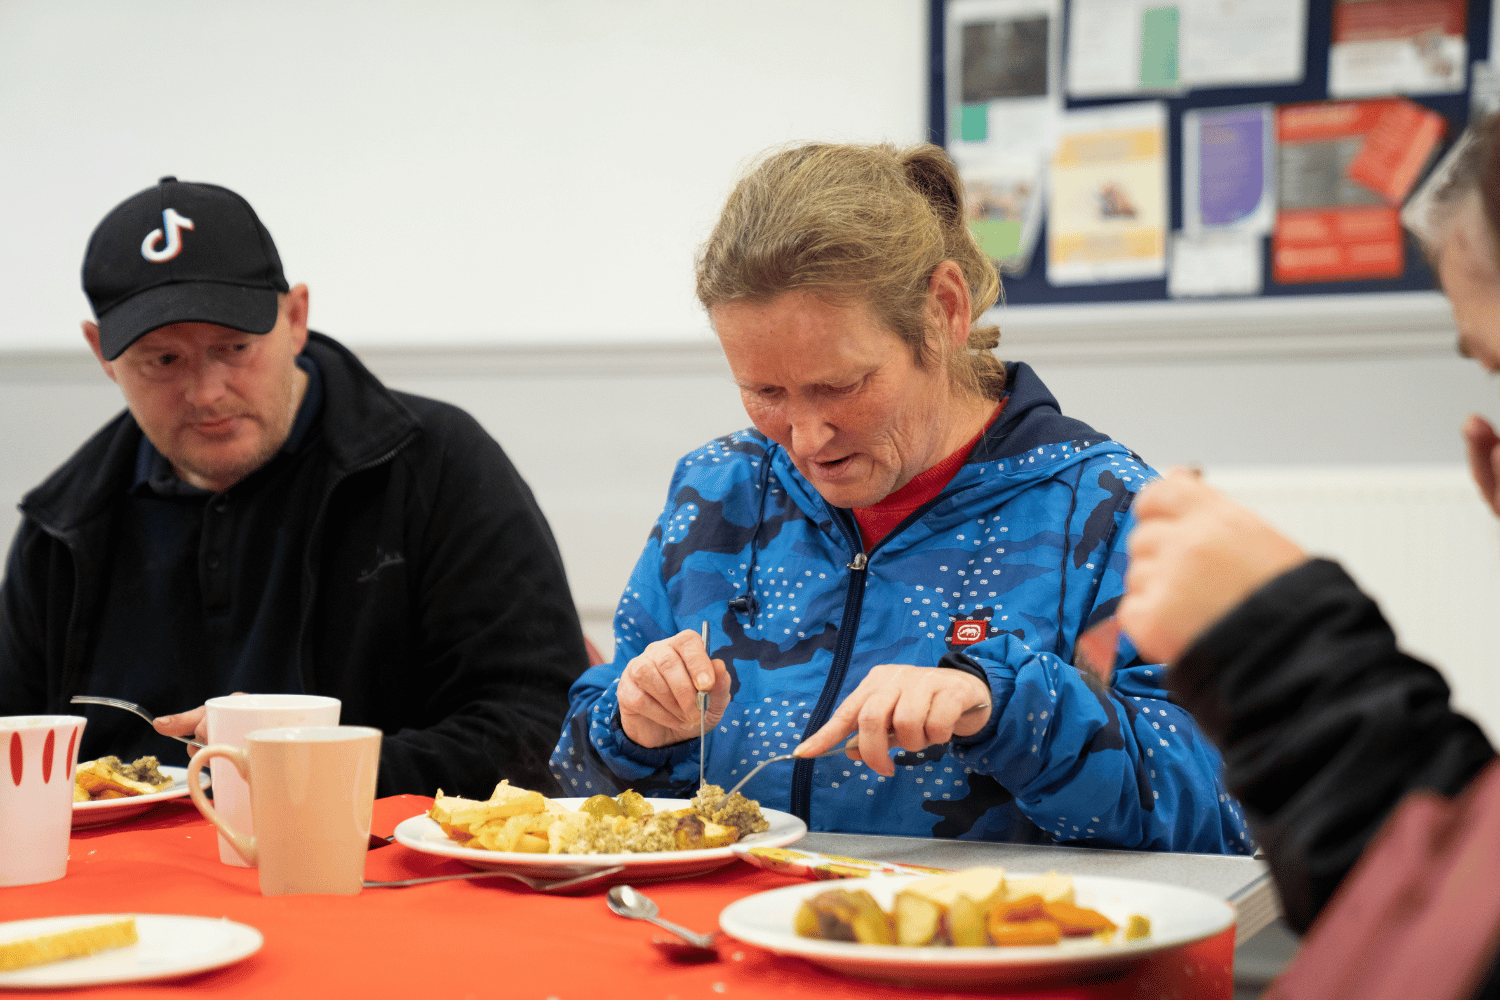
(75, 943)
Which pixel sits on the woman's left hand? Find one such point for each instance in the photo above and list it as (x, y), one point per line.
(905, 706)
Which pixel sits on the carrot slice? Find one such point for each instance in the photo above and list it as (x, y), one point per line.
(1005, 932)
(1077, 920)
(1017, 910)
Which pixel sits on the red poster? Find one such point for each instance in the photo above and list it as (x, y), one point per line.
(1402, 142)
(1345, 166)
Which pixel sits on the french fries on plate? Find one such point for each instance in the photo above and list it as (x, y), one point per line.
(521, 821)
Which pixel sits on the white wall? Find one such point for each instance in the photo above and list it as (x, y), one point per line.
(439, 171)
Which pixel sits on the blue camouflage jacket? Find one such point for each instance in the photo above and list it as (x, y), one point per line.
(1021, 551)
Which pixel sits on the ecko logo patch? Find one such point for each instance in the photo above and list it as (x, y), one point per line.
(968, 632)
(169, 236)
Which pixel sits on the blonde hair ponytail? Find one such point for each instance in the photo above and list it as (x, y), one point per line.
(867, 223)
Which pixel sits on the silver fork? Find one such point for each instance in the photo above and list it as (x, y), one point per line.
(540, 885)
(129, 706)
(851, 744)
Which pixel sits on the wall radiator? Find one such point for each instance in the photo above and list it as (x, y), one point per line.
(1419, 540)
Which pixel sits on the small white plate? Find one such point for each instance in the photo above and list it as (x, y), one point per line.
(422, 834)
(98, 813)
(169, 946)
(1178, 916)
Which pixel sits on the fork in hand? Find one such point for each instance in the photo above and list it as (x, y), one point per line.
(851, 744)
(129, 706)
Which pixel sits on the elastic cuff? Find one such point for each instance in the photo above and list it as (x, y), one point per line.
(655, 758)
(958, 661)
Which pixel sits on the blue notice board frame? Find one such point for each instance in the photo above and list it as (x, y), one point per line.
(1033, 287)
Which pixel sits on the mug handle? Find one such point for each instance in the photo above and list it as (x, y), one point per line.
(244, 846)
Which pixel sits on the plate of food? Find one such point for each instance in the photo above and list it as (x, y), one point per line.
(524, 832)
(943, 930)
(94, 949)
(109, 791)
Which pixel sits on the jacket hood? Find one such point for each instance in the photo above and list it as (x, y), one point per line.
(364, 423)
(1032, 419)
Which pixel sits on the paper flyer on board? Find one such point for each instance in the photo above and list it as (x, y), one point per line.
(1345, 167)
(1398, 147)
(1148, 46)
(1241, 42)
(1216, 262)
(1004, 104)
(1107, 196)
(1004, 198)
(1398, 47)
(1229, 168)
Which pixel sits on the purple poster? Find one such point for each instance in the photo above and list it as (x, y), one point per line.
(1231, 164)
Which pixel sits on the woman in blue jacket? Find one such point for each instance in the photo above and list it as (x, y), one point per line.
(907, 545)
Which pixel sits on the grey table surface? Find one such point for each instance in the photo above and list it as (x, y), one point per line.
(1242, 881)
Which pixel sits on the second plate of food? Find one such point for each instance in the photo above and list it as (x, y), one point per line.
(420, 833)
(1178, 916)
(102, 811)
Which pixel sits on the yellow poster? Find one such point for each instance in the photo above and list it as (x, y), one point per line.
(1107, 218)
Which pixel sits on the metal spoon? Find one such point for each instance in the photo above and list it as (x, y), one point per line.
(625, 901)
(129, 706)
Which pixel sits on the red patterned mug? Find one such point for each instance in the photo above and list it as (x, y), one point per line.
(39, 754)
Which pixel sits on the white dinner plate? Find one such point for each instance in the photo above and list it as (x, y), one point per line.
(423, 834)
(169, 945)
(1178, 916)
(104, 811)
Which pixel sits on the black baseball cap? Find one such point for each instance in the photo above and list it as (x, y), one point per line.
(180, 253)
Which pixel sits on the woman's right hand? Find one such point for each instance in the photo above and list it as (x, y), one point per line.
(1194, 555)
(658, 692)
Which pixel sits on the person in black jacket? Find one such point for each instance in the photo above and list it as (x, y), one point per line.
(265, 516)
(1332, 736)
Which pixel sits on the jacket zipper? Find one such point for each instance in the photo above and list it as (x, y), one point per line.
(801, 798)
(854, 599)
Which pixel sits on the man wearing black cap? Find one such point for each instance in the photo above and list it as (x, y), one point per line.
(267, 517)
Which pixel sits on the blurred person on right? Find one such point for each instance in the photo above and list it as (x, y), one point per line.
(1377, 805)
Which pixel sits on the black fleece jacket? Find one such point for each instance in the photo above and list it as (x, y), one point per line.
(432, 599)
(1325, 725)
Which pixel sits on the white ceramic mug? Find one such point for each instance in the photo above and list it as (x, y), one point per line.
(40, 753)
(312, 791)
(232, 718)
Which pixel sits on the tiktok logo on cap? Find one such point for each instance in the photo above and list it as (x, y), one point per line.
(173, 224)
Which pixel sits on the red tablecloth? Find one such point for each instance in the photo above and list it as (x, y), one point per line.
(490, 938)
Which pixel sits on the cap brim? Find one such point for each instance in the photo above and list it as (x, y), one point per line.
(253, 310)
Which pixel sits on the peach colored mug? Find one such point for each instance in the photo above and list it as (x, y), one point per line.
(312, 791)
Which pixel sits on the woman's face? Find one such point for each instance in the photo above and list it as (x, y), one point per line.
(1470, 278)
(842, 394)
